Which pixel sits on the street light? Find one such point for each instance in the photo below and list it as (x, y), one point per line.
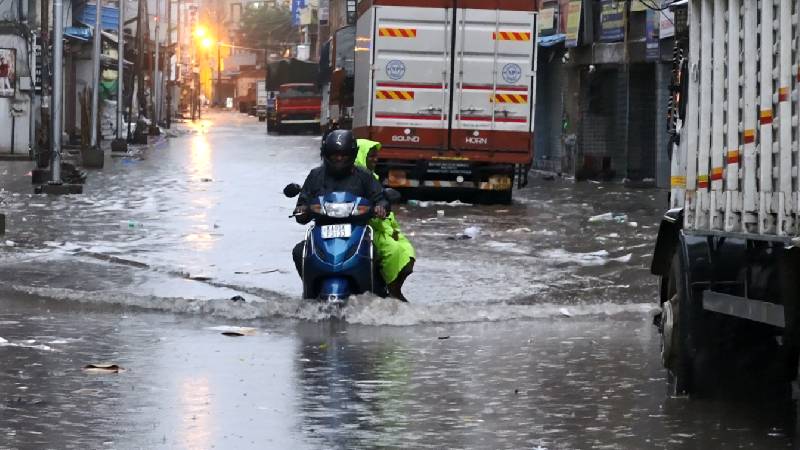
(202, 40)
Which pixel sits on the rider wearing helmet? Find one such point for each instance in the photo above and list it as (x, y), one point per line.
(337, 173)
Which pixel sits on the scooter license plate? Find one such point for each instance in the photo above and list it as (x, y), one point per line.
(336, 231)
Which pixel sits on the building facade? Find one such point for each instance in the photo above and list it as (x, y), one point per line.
(602, 93)
(18, 78)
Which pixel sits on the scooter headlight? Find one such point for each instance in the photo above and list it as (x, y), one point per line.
(339, 210)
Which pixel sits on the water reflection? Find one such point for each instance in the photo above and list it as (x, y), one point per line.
(195, 398)
(554, 385)
(353, 393)
(200, 162)
(200, 241)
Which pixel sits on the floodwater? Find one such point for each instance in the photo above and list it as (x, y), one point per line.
(536, 332)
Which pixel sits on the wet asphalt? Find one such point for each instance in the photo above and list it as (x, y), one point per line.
(533, 333)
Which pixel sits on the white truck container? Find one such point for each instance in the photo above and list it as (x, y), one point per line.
(448, 88)
(727, 251)
(261, 100)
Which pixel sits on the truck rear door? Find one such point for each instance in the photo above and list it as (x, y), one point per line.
(410, 101)
(495, 80)
(261, 93)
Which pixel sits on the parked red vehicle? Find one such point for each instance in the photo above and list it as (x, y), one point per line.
(298, 105)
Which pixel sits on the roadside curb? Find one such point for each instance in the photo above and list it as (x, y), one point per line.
(14, 157)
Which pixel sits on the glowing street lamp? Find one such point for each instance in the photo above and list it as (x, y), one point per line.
(207, 43)
(200, 31)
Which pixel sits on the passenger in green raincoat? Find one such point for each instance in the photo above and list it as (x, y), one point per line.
(396, 253)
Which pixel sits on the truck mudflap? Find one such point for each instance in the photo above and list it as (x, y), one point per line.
(667, 241)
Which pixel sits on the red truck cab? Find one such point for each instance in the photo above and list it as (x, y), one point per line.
(298, 105)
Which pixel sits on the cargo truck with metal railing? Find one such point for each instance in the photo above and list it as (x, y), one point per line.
(448, 87)
(727, 251)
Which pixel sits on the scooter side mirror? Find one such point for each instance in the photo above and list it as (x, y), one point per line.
(292, 190)
(392, 195)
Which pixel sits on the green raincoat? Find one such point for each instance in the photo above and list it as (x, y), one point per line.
(394, 248)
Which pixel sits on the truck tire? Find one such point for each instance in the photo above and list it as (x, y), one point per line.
(679, 320)
(503, 197)
(495, 197)
(790, 299)
(261, 119)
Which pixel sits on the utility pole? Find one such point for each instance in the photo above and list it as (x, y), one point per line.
(156, 100)
(179, 57)
(197, 96)
(266, 76)
(168, 58)
(56, 186)
(58, 85)
(93, 156)
(140, 45)
(627, 57)
(120, 144)
(96, 71)
(45, 110)
(219, 75)
(194, 90)
(139, 136)
(41, 140)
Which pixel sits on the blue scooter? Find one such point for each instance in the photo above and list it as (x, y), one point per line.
(338, 255)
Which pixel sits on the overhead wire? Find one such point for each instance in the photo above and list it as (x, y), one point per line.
(665, 5)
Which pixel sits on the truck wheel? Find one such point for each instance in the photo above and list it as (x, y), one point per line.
(262, 119)
(790, 299)
(678, 327)
(495, 197)
(503, 197)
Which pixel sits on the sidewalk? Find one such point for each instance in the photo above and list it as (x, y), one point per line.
(15, 169)
(15, 156)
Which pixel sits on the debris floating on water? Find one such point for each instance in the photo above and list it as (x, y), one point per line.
(103, 368)
(609, 217)
(469, 233)
(472, 231)
(235, 331)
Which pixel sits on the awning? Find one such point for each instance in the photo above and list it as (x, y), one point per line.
(549, 41)
(86, 13)
(86, 34)
(78, 33)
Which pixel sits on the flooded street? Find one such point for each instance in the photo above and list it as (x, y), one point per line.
(529, 325)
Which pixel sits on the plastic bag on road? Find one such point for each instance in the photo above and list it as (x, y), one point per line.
(609, 217)
(469, 233)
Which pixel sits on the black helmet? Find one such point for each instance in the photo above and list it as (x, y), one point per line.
(339, 142)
